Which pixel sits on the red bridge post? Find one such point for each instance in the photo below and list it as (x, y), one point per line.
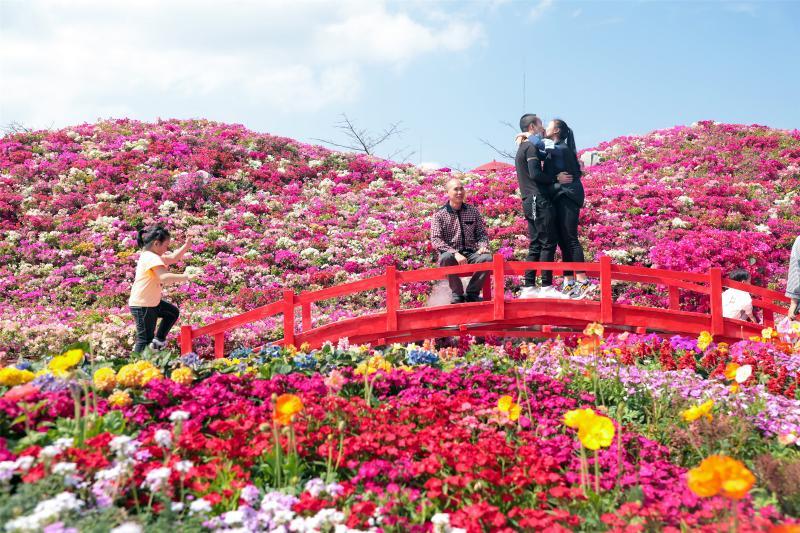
(715, 283)
(606, 298)
(498, 272)
(219, 345)
(186, 339)
(288, 318)
(392, 298)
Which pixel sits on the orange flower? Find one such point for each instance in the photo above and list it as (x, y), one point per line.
(286, 406)
(594, 329)
(730, 370)
(785, 528)
(720, 474)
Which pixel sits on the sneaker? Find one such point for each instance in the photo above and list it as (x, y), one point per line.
(457, 299)
(529, 292)
(158, 345)
(582, 290)
(567, 287)
(551, 292)
(473, 298)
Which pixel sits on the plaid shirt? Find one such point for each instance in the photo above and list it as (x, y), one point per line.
(458, 231)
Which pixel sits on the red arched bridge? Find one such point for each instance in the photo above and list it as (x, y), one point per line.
(499, 316)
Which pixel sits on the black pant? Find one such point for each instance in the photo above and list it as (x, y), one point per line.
(476, 282)
(146, 318)
(540, 213)
(568, 217)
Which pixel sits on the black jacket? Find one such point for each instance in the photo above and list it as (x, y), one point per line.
(532, 181)
(573, 191)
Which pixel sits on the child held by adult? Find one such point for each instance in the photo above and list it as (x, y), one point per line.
(152, 274)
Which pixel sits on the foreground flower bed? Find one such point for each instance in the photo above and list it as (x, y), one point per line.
(268, 213)
(536, 436)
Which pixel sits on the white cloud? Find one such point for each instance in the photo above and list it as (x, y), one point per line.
(65, 62)
(540, 8)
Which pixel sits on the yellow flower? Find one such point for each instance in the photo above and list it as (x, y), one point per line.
(696, 411)
(577, 417)
(769, 333)
(73, 357)
(720, 474)
(149, 374)
(596, 432)
(119, 399)
(60, 365)
(375, 363)
(104, 379)
(704, 340)
(507, 405)
(305, 347)
(286, 406)
(594, 329)
(129, 376)
(182, 375)
(11, 376)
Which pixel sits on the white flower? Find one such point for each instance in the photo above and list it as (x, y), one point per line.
(763, 228)
(45, 512)
(743, 373)
(155, 478)
(617, 255)
(124, 446)
(163, 438)
(233, 517)
(48, 452)
(200, 506)
(315, 486)
(183, 466)
(179, 416)
(685, 200)
(25, 462)
(440, 519)
(250, 494)
(63, 469)
(7, 469)
(176, 507)
(167, 207)
(128, 527)
(681, 224)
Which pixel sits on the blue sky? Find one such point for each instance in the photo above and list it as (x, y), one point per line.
(450, 71)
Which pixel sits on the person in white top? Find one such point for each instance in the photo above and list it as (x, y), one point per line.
(145, 300)
(736, 303)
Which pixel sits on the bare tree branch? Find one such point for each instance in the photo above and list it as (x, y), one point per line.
(15, 127)
(510, 125)
(500, 152)
(362, 140)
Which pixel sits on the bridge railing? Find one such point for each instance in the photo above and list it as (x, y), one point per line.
(710, 284)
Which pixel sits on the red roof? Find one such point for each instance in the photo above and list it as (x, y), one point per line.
(492, 166)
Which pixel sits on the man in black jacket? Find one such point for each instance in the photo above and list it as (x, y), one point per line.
(537, 192)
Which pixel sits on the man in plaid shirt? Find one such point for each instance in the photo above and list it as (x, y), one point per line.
(459, 235)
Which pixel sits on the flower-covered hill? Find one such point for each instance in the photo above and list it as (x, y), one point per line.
(265, 212)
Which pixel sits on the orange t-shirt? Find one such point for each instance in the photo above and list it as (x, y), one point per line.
(146, 289)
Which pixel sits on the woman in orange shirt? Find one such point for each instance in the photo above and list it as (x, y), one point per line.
(145, 300)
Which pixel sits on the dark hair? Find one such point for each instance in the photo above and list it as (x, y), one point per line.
(739, 274)
(526, 120)
(147, 236)
(566, 134)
